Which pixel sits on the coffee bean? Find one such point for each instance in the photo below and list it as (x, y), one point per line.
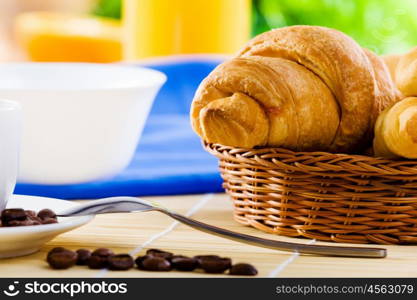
(54, 250)
(31, 214)
(83, 256)
(154, 263)
(213, 264)
(12, 214)
(159, 253)
(243, 269)
(16, 223)
(154, 260)
(57, 249)
(46, 214)
(97, 262)
(120, 262)
(63, 259)
(99, 258)
(140, 259)
(201, 257)
(19, 217)
(49, 221)
(183, 263)
(103, 252)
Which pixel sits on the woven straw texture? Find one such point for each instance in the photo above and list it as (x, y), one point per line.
(324, 196)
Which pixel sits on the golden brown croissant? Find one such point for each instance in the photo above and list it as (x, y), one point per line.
(396, 130)
(265, 101)
(386, 93)
(299, 87)
(391, 60)
(406, 73)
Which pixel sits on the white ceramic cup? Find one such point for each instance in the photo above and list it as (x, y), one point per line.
(10, 125)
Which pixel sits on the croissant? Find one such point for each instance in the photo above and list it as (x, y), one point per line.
(391, 61)
(299, 87)
(386, 92)
(396, 130)
(396, 127)
(406, 73)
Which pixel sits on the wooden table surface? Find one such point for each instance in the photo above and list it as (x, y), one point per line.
(136, 232)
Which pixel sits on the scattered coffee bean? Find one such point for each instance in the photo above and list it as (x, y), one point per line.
(184, 263)
(19, 217)
(139, 260)
(103, 252)
(54, 250)
(159, 253)
(15, 223)
(57, 249)
(62, 259)
(120, 262)
(46, 214)
(83, 256)
(12, 214)
(214, 264)
(97, 262)
(154, 263)
(154, 260)
(31, 214)
(49, 221)
(243, 269)
(201, 257)
(99, 258)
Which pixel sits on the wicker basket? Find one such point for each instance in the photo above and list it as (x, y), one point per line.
(323, 196)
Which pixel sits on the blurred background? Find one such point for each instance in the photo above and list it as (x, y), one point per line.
(157, 33)
(114, 30)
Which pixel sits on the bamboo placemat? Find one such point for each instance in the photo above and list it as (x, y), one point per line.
(140, 231)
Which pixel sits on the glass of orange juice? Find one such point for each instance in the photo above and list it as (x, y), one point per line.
(165, 27)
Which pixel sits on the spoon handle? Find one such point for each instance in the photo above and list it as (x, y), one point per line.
(279, 245)
(130, 204)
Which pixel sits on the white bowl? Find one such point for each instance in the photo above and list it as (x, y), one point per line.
(23, 240)
(81, 122)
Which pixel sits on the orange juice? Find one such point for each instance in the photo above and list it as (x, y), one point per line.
(54, 36)
(166, 27)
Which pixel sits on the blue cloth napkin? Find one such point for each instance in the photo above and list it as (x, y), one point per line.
(169, 159)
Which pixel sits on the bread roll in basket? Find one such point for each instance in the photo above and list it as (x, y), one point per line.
(289, 118)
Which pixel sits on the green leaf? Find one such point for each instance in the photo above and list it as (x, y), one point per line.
(108, 8)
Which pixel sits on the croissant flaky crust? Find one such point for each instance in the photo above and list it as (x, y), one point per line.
(299, 87)
(396, 130)
(396, 127)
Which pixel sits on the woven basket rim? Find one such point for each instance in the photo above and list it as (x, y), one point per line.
(261, 150)
(315, 161)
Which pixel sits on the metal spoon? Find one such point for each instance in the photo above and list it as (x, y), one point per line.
(131, 204)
